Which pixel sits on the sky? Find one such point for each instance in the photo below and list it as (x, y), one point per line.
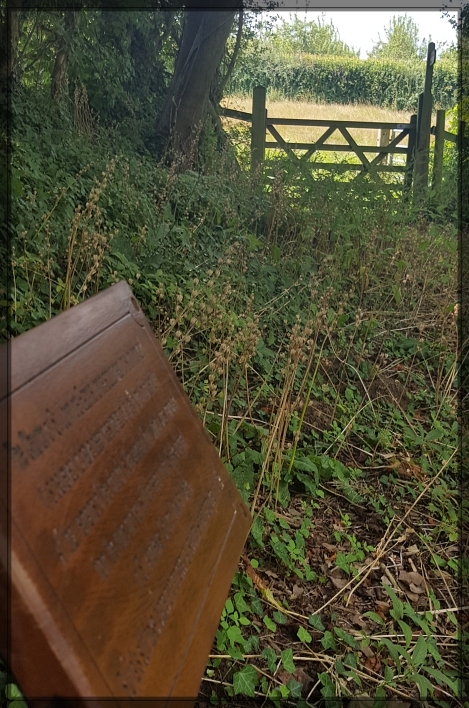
(360, 29)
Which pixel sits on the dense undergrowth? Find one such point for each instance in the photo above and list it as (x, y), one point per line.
(312, 322)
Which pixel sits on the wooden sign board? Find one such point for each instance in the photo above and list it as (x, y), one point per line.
(126, 528)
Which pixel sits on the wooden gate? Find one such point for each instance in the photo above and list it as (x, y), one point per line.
(417, 150)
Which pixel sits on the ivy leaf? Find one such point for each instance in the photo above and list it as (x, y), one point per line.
(245, 681)
(257, 531)
(328, 641)
(270, 624)
(316, 622)
(295, 688)
(240, 602)
(342, 563)
(271, 658)
(346, 637)
(280, 549)
(350, 660)
(12, 691)
(256, 605)
(269, 515)
(304, 636)
(235, 653)
(17, 703)
(279, 617)
(287, 661)
(328, 689)
(234, 635)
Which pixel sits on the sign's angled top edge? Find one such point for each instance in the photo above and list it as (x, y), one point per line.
(66, 332)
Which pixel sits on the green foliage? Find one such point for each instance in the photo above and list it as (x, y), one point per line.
(10, 694)
(303, 36)
(402, 41)
(336, 79)
(124, 61)
(449, 52)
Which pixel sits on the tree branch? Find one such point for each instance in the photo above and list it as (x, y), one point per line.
(20, 54)
(234, 56)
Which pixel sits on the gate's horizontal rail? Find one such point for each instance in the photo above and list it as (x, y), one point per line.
(448, 136)
(342, 167)
(242, 115)
(339, 148)
(338, 123)
(230, 113)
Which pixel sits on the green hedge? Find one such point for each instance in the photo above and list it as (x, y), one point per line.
(331, 79)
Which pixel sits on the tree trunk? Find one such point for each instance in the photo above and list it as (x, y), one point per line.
(220, 88)
(59, 77)
(59, 74)
(203, 41)
(9, 35)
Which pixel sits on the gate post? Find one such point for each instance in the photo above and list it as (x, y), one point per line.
(438, 151)
(424, 124)
(384, 136)
(410, 157)
(259, 119)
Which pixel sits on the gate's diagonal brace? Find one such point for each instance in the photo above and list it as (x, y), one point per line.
(381, 156)
(282, 142)
(395, 141)
(356, 148)
(308, 153)
(320, 141)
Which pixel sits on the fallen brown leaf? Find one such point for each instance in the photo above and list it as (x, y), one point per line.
(415, 588)
(373, 664)
(412, 550)
(330, 548)
(359, 621)
(297, 591)
(284, 676)
(409, 470)
(382, 607)
(414, 578)
(411, 595)
(271, 573)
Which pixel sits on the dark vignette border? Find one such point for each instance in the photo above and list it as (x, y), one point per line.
(5, 282)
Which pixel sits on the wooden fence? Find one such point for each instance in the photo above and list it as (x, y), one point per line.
(416, 152)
